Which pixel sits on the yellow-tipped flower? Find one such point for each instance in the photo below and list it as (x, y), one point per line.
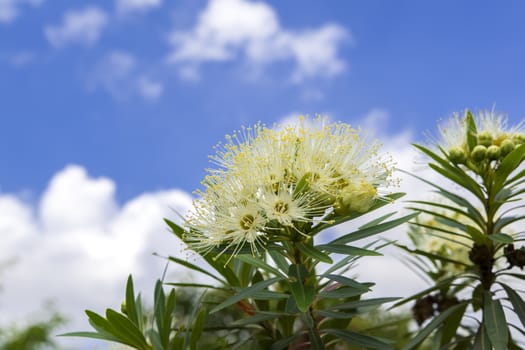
(274, 183)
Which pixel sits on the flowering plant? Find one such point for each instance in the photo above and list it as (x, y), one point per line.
(470, 234)
(256, 223)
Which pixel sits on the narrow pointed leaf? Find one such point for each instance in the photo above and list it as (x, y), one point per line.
(314, 253)
(517, 303)
(507, 166)
(431, 326)
(495, 322)
(258, 262)
(131, 307)
(126, 330)
(360, 340)
(347, 250)
(245, 293)
(303, 294)
(370, 231)
(501, 238)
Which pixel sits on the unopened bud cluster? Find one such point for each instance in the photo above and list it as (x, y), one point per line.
(490, 140)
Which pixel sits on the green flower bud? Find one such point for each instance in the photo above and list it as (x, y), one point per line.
(478, 153)
(506, 147)
(356, 197)
(457, 155)
(518, 139)
(485, 138)
(123, 308)
(493, 152)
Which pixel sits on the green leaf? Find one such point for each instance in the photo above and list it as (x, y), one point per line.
(196, 330)
(334, 220)
(442, 284)
(126, 330)
(453, 173)
(258, 318)
(245, 293)
(451, 324)
(101, 325)
(92, 335)
(370, 231)
(377, 221)
(313, 253)
(194, 285)
(343, 263)
(360, 340)
(507, 166)
(155, 340)
(517, 303)
(315, 338)
(495, 322)
(159, 308)
(476, 235)
(429, 328)
(482, 341)
(283, 343)
(462, 202)
(471, 130)
(258, 262)
(168, 317)
(279, 259)
(501, 238)
(269, 295)
(131, 308)
(336, 314)
(361, 304)
(347, 250)
(431, 256)
(303, 294)
(348, 282)
(342, 292)
(196, 268)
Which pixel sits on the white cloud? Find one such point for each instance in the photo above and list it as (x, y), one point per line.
(150, 89)
(82, 26)
(229, 29)
(22, 58)
(128, 6)
(9, 9)
(120, 74)
(78, 246)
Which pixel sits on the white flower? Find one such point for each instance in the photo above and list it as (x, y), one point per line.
(276, 183)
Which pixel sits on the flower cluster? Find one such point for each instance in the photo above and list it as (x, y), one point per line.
(277, 183)
(493, 140)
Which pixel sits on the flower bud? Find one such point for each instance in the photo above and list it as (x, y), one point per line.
(493, 152)
(356, 197)
(519, 139)
(123, 308)
(457, 155)
(478, 153)
(485, 138)
(506, 147)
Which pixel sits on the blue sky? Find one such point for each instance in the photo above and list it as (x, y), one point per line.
(63, 102)
(109, 111)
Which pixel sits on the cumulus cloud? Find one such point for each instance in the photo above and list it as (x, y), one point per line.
(120, 74)
(10, 9)
(78, 27)
(229, 29)
(128, 6)
(78, 246)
